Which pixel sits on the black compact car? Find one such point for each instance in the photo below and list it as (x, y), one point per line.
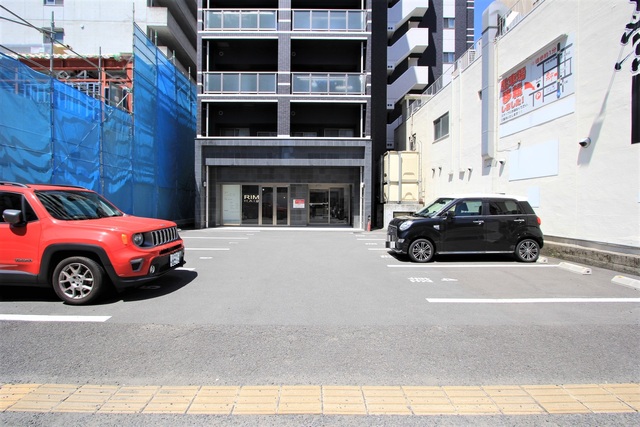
(473, 224)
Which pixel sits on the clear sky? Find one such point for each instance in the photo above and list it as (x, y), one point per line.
(480, 6)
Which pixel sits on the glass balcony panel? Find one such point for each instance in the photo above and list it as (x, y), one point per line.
(302, 20)
(267, 83)
(320, 20)
(213, 20)
(355, 84)
(213, 83)
(337, 84)
(319, 83)
(231, 20)
(249, 20)
(355, 21)
(268, 20)
(230, 82)
(338, 20)
(249, 82)
(301, 83)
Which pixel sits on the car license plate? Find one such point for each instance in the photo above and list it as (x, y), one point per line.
(174, 258)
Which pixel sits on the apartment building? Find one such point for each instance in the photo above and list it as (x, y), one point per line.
(285, 111)
(298, 97)
(424, 40)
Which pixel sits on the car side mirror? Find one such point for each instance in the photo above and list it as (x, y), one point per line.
(449, 215)
(13, 217)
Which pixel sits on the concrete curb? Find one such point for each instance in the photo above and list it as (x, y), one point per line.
(616, 261)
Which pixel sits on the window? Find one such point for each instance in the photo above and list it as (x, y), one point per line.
(53, 2)
(505, 207)
(441, 127)
(234, 132)
(467, 208)
(58, 35)
(448, 57)
(338, 133)
(449, 22)
(14, 201)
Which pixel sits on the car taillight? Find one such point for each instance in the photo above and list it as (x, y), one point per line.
(539, 220)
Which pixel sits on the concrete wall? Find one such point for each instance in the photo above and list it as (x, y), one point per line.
(588, 194)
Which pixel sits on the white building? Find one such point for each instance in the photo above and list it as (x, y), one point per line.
(541, 113)
(90, 27)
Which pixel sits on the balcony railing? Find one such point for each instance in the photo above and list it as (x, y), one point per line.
(328, 84)
(241, 20)
(302, 83)
(229, 82)
(329, 20)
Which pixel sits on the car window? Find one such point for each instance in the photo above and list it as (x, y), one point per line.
(434, 207)
(76, 205)
(14, 201)
(467, 208)
(504, 207)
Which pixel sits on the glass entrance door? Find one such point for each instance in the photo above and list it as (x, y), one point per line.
(318, 206)
(339, 209)
(282, 205)
(266, 201)
(274, 205)
(329, 205)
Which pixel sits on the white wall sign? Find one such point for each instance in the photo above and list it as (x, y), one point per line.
(545, 78)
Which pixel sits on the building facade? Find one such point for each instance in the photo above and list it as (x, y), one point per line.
(544, 112)
(297, 99)
(284, 130)
(424, 39)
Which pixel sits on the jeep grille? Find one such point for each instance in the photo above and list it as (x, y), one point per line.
(166, 235)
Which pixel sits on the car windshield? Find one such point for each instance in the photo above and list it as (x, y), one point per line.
(76, 205)
(433, 208)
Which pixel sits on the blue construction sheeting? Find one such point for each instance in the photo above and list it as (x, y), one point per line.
(144, 163)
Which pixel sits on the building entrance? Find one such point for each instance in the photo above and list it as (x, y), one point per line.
(328, 206)
(285, 205)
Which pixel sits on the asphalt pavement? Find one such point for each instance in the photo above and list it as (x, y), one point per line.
(326, 327)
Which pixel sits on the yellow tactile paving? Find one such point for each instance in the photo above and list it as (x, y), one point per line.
(327, 400)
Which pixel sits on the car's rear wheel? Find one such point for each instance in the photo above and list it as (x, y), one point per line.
(421, 250)
(527, 250)
(78, 280)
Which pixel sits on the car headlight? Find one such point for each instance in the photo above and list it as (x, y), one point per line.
(405, 225)
(138, 239)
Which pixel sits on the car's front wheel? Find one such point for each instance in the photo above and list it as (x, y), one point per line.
(527, 250)
(421, 250)
(78, 280)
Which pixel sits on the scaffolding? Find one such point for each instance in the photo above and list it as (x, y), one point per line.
(134, 145)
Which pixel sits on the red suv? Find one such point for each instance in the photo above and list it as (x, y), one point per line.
(76, 241)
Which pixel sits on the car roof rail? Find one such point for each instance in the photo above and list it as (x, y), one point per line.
(15, 184)
(65, 186)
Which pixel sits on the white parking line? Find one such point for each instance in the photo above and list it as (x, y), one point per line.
(529, 300)
(207, 249)
(215, 238)
(44, 318)
(435, 265)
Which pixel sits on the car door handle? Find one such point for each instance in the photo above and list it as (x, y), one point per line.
(518, 220)
(479, 222)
